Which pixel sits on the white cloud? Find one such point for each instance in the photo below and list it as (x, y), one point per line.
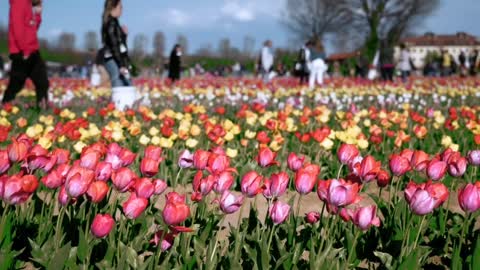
(237, 11)
(177, 17)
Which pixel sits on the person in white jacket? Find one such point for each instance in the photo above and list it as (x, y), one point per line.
(266, 59)
(318, 67)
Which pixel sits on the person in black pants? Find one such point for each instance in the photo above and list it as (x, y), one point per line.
(24, 51)
(175, 63)
(386, 61)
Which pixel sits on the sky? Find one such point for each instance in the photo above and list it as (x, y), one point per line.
(205, 22)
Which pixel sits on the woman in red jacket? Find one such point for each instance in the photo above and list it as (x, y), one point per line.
(24, 22)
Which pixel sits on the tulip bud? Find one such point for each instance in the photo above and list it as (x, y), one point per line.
(279, 212)
(102, 225)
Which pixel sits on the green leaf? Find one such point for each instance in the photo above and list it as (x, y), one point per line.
(385, 258)
(61, 256)
(476, 255)
(410, 262)
(82, 251)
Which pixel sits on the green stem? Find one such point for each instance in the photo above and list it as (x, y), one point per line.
(271, 237)
(407, 238)
(350, 252)
(465, 226)
(418, 234)
(339, 172)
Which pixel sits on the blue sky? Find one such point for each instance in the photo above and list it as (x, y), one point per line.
(205, 22)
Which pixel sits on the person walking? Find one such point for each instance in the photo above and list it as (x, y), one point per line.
(473, 59)
(386, 61)
(303, 63)
(175, 65)
(266, 60)
(405, 63)
(318, 66)
(115, 50)
(24, 21)
(2, 65)
(446, 63)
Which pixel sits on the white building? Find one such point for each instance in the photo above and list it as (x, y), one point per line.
(420, 46)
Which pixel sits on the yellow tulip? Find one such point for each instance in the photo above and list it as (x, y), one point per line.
(153, 131)
(45, 142)
(232, 153)
(191, 143)
(195, 130)
(79, 146)
(144, 140)
(362, 144)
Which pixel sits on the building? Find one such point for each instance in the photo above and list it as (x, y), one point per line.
(421, 46)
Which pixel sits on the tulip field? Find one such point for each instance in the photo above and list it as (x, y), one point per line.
(236, 174)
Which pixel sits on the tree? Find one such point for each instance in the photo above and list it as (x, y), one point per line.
(91, 41)
(224, 48)
(313, 19)
(66, 42)
(183, 41)
(158, 44)
(248, 46)
(387, 19)
(139, 46)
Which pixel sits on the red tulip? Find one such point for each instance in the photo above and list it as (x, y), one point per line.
(383, 179)
(97, 191)
(90, 159)
(134, 206)
(279, 212)
(408, 154)
(127, 157)
(469, 197)
(217, 163)
(230, 203)
(266, 157)
(159, 186)
(355, 165)
(149, 167)
(295, 162)
(399, 165)
(419, 160)
(436, 169)
(223, 182)
(103, 171)
(424, 198)
(200, 159)
(305, 178)
(102, 225)
(312, 217)
(153, 152)
(63, 197)
(123, 179)
(62, 155)
(185, 160)
(176, 210)
(251, 184)
(346, 153)
(4, 161)
(203, 185)
(144, 188)
(17, 150)
(276, 186)
(474, 157)
(362, 217)
(457, 165)
(17, 189)
(369, 169)
(53, 179)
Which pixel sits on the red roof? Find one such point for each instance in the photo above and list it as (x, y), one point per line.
(430, 39)
(342, 56)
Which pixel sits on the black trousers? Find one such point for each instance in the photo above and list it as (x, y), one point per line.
(34, 68)
(387, 73)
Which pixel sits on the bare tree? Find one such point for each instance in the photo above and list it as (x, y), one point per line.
(139, 46)
(183, 41)
(388, 19)
(158, 44)
(224, 48)
(312, 19)
(91, 41)
(66, 41)
(248, 45)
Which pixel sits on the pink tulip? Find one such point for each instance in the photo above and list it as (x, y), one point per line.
(4, 161)
(144, 188)
(362, 217)
(295, 162)
(123, 179)
(346, 153)
(149, 167)
(176, 210)
(114, 160)
(369, 169)
(153, 152)
(408, 154)
(424, 198)
(266, 157)
(251, 184)
(279, 212)
(457, 165)
(97, 191)
(62, 155)
(469, 197)
(102, 225)
(127, 157)
(399, 165)
(419, 161)
(223, 182)
(474, 157)
(277, 185)
(17, 150)
(159, 186)
(436, 169)
(78, 181)
(103, 171)
(63, 197)
(338, 193)
(53, 179)
(203, 185)
(134, 206)
(17, 189)
(230, 203)
(217, 163)
(90, 159)
(185, 160)
(312, 217)
(306, 178)
(166, 238)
